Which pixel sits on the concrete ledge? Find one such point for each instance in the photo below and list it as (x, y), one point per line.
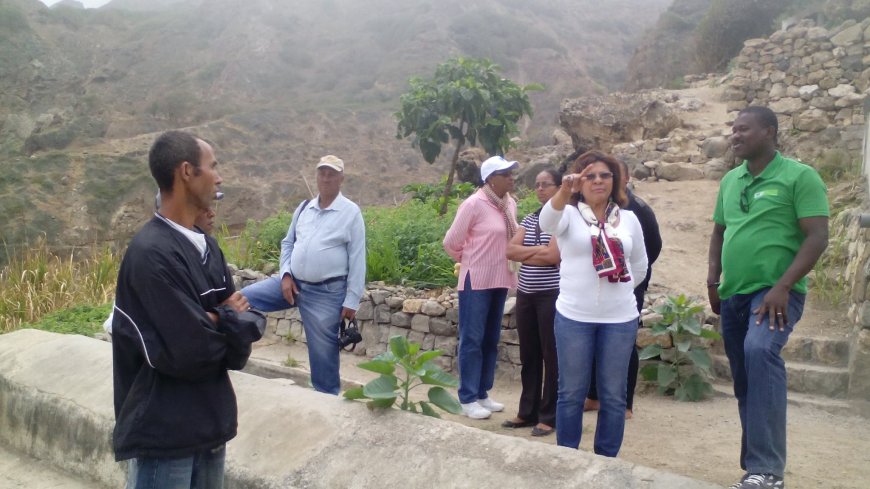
(56, 401)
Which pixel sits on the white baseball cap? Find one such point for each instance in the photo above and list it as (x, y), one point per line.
(331, 161)
(494, 164)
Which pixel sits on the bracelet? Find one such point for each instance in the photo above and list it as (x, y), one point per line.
(713, 284)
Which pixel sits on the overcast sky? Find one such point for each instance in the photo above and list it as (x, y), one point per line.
(87, 3)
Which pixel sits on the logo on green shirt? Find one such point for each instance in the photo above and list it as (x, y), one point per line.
(771, 192)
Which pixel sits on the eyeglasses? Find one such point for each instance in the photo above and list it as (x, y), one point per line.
(544, 185)
(605, 175)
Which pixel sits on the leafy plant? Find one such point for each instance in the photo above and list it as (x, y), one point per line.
(416, 369)
(685, 369)
(434, 194)
(468, 101)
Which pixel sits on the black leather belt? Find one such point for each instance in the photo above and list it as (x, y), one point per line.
(323, 282)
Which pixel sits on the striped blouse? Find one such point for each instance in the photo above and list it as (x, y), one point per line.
(477, 239)
(537, 278)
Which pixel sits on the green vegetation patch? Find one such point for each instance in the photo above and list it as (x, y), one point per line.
(83, 320)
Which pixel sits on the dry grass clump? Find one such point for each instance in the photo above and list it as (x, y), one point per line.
(37, 282)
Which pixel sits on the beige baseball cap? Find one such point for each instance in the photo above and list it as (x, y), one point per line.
(331, 161)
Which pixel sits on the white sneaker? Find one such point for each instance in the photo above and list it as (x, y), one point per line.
(491, 405)
(475, 411)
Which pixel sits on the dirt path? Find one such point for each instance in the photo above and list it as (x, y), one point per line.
(699, 440)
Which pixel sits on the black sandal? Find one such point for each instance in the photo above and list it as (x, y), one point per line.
(513, 424)
(542, 432)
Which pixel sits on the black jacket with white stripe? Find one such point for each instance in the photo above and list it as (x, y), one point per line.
(173, 395)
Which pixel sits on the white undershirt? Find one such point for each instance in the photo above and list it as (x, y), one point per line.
(198, 239)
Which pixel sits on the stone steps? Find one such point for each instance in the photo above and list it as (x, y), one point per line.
(837, 407)
(807, 378)
(827, 351)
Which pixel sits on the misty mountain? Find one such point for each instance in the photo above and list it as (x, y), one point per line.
(275, 84)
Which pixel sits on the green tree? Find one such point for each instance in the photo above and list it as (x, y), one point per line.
(468, 102)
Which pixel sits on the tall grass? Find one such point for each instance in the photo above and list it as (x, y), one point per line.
(37, 282)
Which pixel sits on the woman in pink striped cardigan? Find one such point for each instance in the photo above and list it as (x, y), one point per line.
(478, 240)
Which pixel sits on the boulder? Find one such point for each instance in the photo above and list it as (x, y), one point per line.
(850, 100)
(812, 120)
(678, 172)
(841, 90)
(849, 36)
(412, 306)
(807, 92)
(787, 105)
(816, 34)
(604, 121)
(715, 169)
(777, 91)
(715, 147)
(432, 308)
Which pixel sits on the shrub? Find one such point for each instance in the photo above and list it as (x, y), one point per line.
(83, 320)
(38, 282)
(684, 371)
(403, 244)
(394, 385)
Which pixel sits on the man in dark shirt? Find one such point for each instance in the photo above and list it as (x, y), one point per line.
(652, 241)
(178, 326)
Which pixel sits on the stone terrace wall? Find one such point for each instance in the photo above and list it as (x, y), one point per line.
(431, 319)
(816, 80)
(423, 316)
(857, 278)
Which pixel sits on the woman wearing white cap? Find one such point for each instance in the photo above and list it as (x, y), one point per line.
(478, 239)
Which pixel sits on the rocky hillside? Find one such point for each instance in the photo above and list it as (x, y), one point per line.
(82, 93)
(700, 36)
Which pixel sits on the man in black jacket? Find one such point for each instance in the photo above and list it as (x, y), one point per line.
(179, 325)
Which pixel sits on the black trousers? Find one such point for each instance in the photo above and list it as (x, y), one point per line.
(633, 362)
(536, 313)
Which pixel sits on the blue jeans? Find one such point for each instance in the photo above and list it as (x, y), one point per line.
(320, 307)
(203, 470)
(759, 377)
(480, 313)
(578, 345)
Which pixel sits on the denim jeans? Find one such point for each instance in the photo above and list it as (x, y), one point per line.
(578, 345)
(320, 307)
(480, 313)
(203, 470)
(759, 377)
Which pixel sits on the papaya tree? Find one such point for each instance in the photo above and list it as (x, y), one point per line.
(467, 101)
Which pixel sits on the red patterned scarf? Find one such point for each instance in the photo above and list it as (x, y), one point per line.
(608, 256)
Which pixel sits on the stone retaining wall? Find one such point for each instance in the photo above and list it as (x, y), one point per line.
(430, 318)
(815, 79)
(857, 279)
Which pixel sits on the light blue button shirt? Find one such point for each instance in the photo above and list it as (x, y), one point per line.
(327, 243)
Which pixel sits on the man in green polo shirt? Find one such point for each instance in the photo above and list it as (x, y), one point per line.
(770, 227)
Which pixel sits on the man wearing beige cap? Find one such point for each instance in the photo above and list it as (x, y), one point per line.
(323, 268)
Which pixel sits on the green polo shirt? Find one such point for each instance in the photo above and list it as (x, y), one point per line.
(762, 236)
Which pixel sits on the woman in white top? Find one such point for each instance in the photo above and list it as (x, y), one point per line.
(603, 259)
